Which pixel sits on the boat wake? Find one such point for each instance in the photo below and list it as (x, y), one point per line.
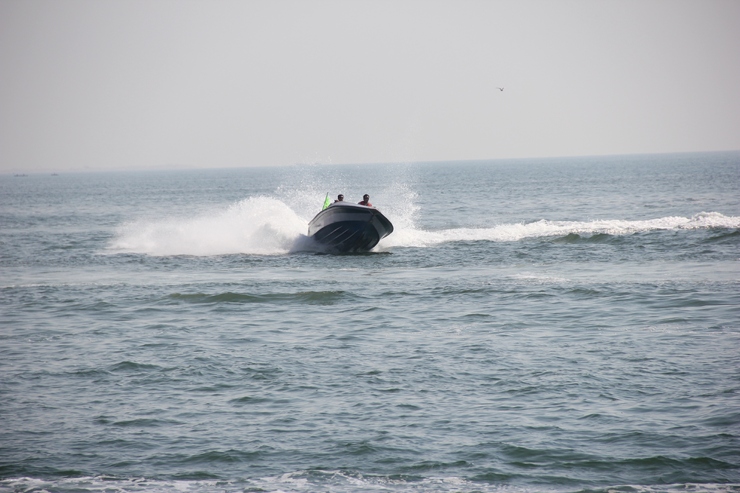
(268, 226)
(544, 228)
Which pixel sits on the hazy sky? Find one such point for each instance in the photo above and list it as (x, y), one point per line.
(106, 84)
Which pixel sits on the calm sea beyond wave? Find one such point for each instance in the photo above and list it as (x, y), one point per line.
(543, 325)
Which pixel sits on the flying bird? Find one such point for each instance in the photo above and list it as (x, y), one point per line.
(500, 88)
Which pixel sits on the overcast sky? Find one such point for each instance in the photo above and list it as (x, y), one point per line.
(106, 84)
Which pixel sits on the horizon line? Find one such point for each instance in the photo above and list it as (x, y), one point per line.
(177, 167)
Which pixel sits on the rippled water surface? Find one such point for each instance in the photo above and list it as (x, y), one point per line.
(562, 325)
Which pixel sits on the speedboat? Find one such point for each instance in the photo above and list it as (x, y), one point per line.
(344, 227)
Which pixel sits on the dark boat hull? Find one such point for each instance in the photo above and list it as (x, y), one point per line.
(348, 228)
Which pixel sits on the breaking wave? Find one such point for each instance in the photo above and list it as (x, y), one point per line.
(332, 481)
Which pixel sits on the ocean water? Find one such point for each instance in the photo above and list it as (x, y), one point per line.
(552, 325)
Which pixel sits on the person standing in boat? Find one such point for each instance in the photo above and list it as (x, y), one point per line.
(340, 198)
(366, 201)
